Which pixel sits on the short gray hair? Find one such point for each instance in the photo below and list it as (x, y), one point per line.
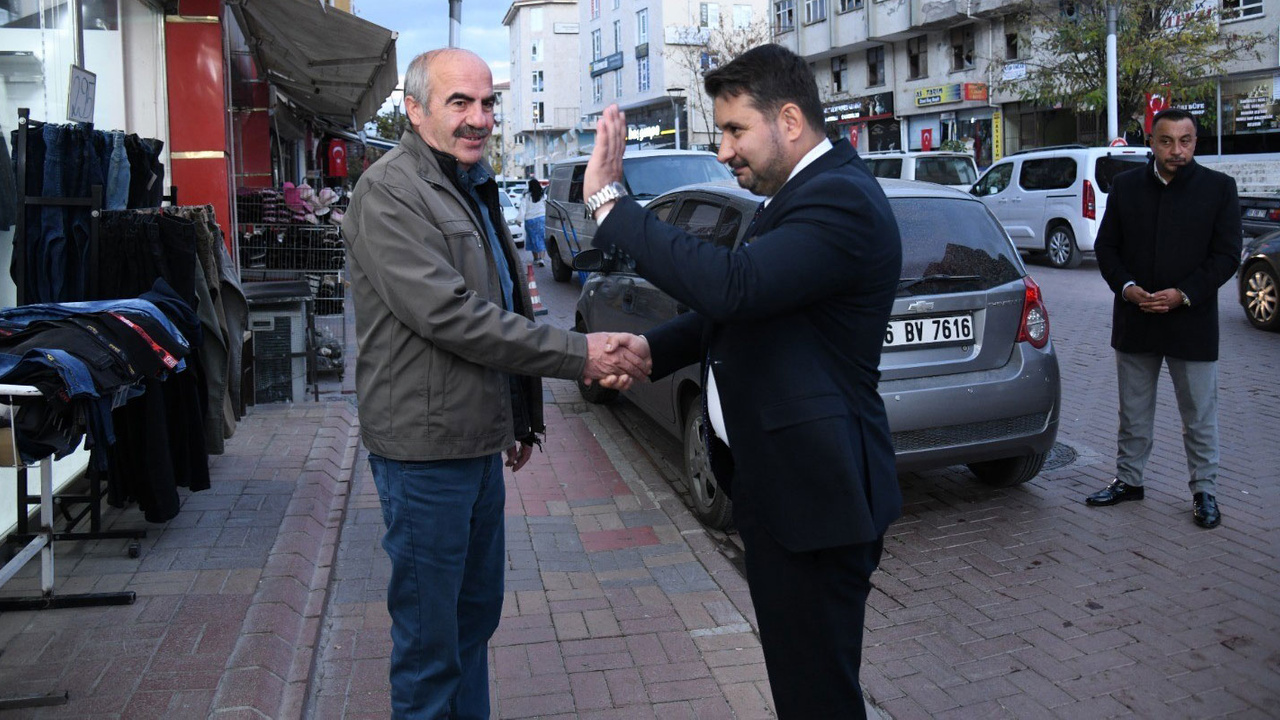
(417, 79)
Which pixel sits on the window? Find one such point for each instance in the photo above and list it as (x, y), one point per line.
(597, 88)
(962, 48)
(741, 16)
(1048, 174)
(815, 11)
(535, 19)
(918, 57)
(617, 84)
(847, 5)
(995, 181)
(952, 236)
(617, 4)
(617, 35)
(535, 51)
(1107, 167)
(698, 218)
(1239, 9)
(642, 75)
(886, 167)
(839, 73)
(784, 15)
(946, 170)
(597, 45)
(642, 26)
(595, 9)
(536, 81)
(875, 66)
(1013, 43)
(709, 15)
(539, 114)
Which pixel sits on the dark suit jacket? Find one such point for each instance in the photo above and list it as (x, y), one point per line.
(1185, 235)
(792, 325)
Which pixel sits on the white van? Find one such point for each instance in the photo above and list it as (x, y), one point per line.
(1051, 200)
(953, 169)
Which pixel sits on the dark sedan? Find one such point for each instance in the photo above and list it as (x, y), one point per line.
(1259, 291)
(968, 372)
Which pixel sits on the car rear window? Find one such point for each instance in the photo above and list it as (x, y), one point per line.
(1108, 166)
(649, 177)
(886, 168)
(941, 236)
(945, 170)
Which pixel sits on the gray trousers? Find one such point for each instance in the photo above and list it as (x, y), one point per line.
(1195, 385)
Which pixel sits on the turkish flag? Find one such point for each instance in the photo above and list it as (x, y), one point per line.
(1155, 103)
(337, 158)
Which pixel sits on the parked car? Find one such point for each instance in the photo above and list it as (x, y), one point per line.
(646, 173)
(1259, 284)
(1259, 213)
(509, 213)
(968, 374)
(953, 169)
(1052, 200)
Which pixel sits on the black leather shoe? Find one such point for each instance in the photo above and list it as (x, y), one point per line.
(1206, 510)
(1117, 492)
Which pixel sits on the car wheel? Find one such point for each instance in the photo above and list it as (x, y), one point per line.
(1007, 472)
(560, 272)
(1261, 295)
(1061, 247)
(593, 393)
(712, 506)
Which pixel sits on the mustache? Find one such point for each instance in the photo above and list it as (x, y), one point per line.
(471, 132)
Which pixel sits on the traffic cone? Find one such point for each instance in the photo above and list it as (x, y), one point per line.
(533, 294)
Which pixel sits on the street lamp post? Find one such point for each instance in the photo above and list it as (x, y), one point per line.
(674, 93)
(1113, 120)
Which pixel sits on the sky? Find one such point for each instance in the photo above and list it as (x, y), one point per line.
(424, 25)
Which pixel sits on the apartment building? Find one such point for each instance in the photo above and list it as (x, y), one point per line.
(541, 115)
(912, 74)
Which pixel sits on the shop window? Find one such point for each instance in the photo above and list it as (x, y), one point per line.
(918, 57)
(1240, 9)
(839, 73)
(847, 5)
(875, 66)
(962, 48)
(815, 11)
(642, 75)
(642, 26)
(536, 83)
(784, 16)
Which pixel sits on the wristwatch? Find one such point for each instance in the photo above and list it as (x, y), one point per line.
(606, 194)
(1186, 301)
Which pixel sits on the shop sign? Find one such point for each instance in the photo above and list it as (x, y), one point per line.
(642, 50)
(640, 133)
(1195, 108)
(937, 95)
(564, 28)
(1256, 113)
(1202, 12)
(863, 108)
(997, 135)
(606, 64)
(975, 91)
(1014, 71)
(81, 94)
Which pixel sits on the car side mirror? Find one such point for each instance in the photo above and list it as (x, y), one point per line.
(594, 260)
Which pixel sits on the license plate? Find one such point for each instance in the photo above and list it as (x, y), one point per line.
(929, 331)
(1255, 213)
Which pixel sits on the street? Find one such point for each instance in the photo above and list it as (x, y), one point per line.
(1026, 603)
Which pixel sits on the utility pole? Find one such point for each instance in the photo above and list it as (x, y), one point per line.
(455, 22)
(1113, 120)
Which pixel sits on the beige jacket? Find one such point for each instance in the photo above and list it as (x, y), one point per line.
(436, 349)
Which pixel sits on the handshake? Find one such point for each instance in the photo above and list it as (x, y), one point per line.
(616, 360)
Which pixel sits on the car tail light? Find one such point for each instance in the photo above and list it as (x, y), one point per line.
(1089, 203)
(1273, 215)
(1035, 319)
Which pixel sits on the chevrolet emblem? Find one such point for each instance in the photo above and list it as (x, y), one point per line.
(920, 306)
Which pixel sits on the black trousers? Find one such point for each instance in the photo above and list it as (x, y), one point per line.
(811, 607)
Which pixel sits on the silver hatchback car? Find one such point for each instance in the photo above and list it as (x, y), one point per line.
(968, 373)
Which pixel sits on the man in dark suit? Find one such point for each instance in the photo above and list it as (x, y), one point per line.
(789, 329)
(1169, 240)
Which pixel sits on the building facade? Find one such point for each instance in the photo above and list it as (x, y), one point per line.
(542, 117)
(913, 74)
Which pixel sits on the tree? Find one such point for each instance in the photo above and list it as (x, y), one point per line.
(391, 125)
(700, 50)
(1174, 47)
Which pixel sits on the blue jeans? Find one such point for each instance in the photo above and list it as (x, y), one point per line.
(445, 538)
(535, 234)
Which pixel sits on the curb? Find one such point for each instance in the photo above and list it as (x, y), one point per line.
(269, 671)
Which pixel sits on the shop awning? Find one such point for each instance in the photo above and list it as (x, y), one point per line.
(327, 61)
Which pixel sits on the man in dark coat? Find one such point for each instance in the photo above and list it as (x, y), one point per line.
(1170, 238)
(789, 328)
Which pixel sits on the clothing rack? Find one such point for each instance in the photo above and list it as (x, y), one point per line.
(93, 499)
